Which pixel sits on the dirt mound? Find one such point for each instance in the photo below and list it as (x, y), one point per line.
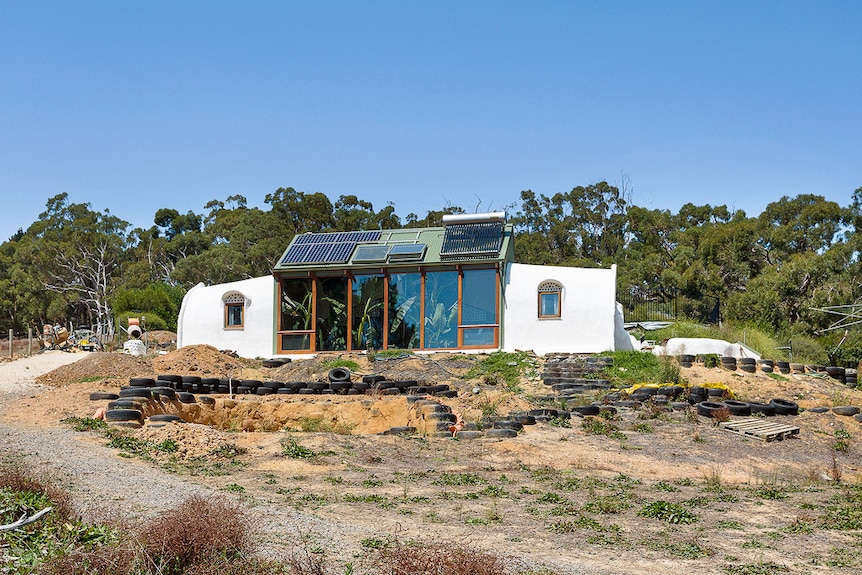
(105, 365)
(200, 360)
(160, 337)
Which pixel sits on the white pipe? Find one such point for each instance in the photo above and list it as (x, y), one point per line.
(474, 218)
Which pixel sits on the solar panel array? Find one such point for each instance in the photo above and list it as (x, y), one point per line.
(472, 239)
(328, 248)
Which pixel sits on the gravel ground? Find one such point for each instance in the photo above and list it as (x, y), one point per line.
(98, 479)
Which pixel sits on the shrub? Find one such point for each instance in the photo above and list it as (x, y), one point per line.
(449, 557)
(670, 512)
(199, 529)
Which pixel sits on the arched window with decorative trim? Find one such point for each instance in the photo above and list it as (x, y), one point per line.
(234, 310)
(550, 299)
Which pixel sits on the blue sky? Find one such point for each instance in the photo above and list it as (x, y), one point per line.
(134, 107)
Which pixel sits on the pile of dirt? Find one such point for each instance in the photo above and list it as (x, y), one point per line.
(201, 360)
(161, 337)
(187, 440)
(104, 365)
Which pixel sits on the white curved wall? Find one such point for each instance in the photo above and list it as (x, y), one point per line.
(201, 318)
(588, 309)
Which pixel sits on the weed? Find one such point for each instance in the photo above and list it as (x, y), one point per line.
(760, 568)
(596, 426)
(665, 486)
(373, 543)
(290, 448)
(670, 512)
(605, 504)
(457, 479)
(493, 491)
(712, 480)
(554, 498)
(769, 492)
(721, 414)
(643, 428)
(729, 524)
(86, 424)
(842, 443)
(167, 446)
(568, 484)
(488, 406)
(364, 499)
(228, 451)
(372, 483)
(234, 488)
(334, 480)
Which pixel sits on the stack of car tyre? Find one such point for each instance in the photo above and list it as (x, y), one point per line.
(766, 365)
(728, 362)
(836, 372)
(573, 369)
(782, 367)
(685, 360)
(850, 377)
(747, 364)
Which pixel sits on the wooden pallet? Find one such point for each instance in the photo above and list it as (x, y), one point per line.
(761, 429)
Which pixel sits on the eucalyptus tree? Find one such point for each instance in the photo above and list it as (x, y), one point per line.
(77, 252)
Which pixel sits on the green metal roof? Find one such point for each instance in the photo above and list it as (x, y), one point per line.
(337, 251)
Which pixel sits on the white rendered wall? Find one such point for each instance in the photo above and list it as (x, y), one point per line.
(201, 319)
(588, 310)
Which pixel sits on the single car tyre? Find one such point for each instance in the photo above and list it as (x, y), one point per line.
(124, 415)
(765, 408)
(102, 395)
(372, 378)
(186, 397)
(166, 417)
(707, 408)
(848, 410)
(264, 390)
(144, 392)
(819, 409)
(166, 392)
(585, 409)
(339, 374)
(126, 404)
(206, 400)
(737, 407)
(142, 382)
(469, 434)
(499, 433)
(785, 407)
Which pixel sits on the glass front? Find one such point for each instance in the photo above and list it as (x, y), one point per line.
(295, 305)
(332, 314)
(405, 310)
(441, 310)
(479, 297)
(368, 310)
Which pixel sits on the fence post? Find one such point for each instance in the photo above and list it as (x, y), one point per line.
(11, 333)
(29, 341)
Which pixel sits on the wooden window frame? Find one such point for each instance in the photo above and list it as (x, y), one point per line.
(227, 308)
(550, 288)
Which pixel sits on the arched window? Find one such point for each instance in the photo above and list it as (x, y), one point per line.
(234, 310)
(550, 299)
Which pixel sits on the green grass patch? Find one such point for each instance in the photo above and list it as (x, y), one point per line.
(502, 368)
(669, 512)
(457, 479)
(340, 362)
(86, 424)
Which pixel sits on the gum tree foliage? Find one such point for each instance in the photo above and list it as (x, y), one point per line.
(77, 253)
(583, 227)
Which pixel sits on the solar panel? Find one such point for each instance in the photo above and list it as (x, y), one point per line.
(370, 253)
(472, 239)
(407, 252)
(326, 248)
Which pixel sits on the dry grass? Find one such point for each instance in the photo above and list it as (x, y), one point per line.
(437, 557)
